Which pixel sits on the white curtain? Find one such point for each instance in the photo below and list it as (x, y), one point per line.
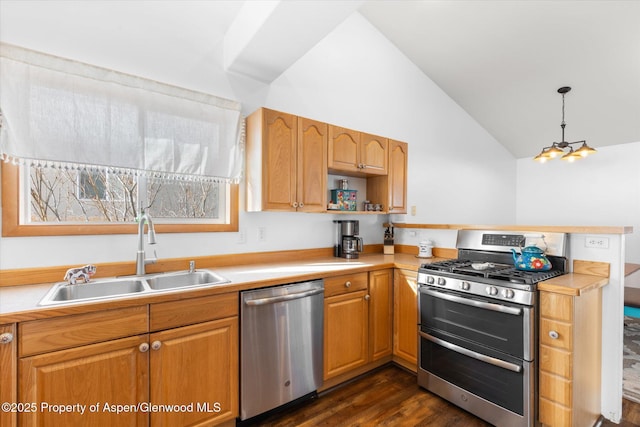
(61, 113)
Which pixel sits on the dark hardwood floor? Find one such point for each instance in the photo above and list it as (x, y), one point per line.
(390, 396)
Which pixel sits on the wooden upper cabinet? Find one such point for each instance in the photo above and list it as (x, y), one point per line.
(373, 150)
(398, 159)
(344, 149)
(289, 159)
(286, 162)
(357, 153)
(279, 160)
(390, 190)
(312, 165)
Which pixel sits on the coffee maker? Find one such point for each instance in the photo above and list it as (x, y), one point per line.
(349, 244)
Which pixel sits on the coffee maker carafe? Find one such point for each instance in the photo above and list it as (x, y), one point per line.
(349, 243)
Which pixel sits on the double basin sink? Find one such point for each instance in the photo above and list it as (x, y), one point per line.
(102, 289)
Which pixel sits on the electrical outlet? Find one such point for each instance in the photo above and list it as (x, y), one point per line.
(242, 237)
(413, 211)
(262, 234)
(412, 233)
(597, 242)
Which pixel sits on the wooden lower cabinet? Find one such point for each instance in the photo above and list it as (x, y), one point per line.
(92, 383)
(8, 373)
(172, 376)
(346, 340)
(196, 367)
(357, 321)
(405, 319)
(569, 358)
(380, 314)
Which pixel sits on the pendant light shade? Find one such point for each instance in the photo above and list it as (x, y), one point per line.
(557, 149)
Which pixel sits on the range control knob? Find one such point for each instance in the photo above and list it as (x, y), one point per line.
(491, 290)
(441, 281)
(508, 293)
(465, 286)
(430, 280)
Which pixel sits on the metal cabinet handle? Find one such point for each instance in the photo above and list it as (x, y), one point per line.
(367, 297)
(554, 335)
(6, 338)
(156, 345)
(347, 284)
(144, 347)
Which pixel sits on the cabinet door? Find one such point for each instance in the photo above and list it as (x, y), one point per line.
(344, 149)
(374, 157)
(106, 374)
(345, 333)
(195, 365)
(279, 160)
(312, 165)
(405, 318)
(8, 373)
(380, 309)
(398, 156)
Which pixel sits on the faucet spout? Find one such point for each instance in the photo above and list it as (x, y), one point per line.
(141, 259)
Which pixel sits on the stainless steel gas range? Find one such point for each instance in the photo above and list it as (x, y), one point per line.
(478, 324)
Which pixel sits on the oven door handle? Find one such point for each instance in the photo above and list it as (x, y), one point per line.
(467, 301)
(481, 357)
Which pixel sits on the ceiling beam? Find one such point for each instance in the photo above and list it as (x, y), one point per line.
(268, 36)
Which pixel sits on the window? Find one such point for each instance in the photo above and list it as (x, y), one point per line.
(43, 201)
(97, 145)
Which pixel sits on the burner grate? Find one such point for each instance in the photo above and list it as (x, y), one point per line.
(526, 277)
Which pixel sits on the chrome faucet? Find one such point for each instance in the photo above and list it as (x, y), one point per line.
(141, 261)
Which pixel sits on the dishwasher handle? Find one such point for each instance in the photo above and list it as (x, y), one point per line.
(281, 298)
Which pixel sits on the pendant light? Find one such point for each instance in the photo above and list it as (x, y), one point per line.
(557, 148)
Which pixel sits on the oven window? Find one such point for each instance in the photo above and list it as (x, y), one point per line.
(501, 331)
(498, 385)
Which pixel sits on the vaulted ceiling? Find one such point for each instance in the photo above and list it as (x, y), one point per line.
(502, 61)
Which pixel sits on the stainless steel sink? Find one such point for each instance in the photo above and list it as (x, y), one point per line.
(102, 289)
(185, 279)
(99, 289)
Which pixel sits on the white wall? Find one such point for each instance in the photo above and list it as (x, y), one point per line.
(603, 189)
(354, 78)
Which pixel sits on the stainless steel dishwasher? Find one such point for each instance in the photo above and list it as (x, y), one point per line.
(281, 345)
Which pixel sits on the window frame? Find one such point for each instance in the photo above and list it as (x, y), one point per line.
(11, 226)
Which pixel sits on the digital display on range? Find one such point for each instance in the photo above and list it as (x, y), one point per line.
(503, 239)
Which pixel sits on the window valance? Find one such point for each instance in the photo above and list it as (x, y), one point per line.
(61, 113)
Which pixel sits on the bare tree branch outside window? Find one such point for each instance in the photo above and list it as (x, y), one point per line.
(100, 197)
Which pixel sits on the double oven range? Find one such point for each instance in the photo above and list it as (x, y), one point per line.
(478, 325)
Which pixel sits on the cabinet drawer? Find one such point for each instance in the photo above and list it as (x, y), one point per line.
(171, 314)
(41, 336)
(346, 283)
(556, 389)
(564, 331)
(553, 414)
(556, 361)
(556, 306)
